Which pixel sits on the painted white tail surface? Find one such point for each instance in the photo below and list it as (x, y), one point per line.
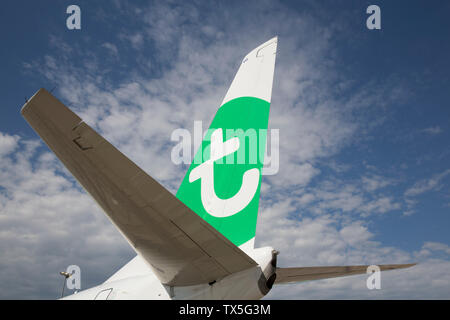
(255, 75)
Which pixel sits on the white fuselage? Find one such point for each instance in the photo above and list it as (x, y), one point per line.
(137, 281)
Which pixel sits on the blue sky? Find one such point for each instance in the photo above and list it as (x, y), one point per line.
(363, 118)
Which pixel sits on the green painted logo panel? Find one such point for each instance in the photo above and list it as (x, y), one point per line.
(247, 119)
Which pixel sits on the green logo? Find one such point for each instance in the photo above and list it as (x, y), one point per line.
(222, 184)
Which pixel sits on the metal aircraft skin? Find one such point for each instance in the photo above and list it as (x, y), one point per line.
(199, 243)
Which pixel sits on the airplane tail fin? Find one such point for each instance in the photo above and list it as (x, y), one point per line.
(290, 275)
(222, 185)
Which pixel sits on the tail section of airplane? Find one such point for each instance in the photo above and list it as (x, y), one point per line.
(223, 182)
(179, 255)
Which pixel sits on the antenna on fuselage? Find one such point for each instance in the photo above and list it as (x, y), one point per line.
(66, 276)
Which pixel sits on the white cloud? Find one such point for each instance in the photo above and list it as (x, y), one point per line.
(375, 182)
(335, 196)
(426, 184)
(8, 143)
(47, 223)
(306, 198)
(381, 205)
(430, 248)
(112, 48)
(433, 130)
(332, 240)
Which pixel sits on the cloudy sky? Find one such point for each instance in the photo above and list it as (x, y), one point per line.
(363, 116)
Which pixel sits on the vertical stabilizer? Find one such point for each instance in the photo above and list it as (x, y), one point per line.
(223, 183)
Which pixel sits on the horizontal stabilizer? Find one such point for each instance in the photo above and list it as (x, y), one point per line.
(181, 248)
(288, 275)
